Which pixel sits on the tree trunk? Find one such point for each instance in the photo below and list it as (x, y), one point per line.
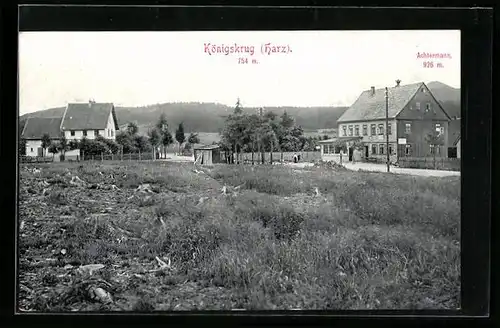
(253, 152)
(271, 154)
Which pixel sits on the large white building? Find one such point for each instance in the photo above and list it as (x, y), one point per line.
(79, 120)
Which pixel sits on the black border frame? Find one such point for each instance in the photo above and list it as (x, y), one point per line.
(476, 85)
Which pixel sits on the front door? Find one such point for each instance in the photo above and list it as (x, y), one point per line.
(40, 151)
(366, 152)
(350, 154)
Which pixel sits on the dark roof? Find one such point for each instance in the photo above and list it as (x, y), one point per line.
(372, 107)
(206, 147)
(341, 139)
(88, 116)
(35, 127)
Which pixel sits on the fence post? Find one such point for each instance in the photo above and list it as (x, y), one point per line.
(93, 158)
(102, 157)
(139, 155)
(112, 157)
(129, 157)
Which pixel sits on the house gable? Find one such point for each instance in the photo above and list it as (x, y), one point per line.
(423, 97)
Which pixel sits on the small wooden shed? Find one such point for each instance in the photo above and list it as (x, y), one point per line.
(208, 154)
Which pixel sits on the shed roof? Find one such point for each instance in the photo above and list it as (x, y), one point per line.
(370, 106)
(206, 147)
(36, 127)
(88, 116)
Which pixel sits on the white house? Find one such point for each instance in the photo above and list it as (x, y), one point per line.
(78, 121)
(89, 120)
(459, 147)
(35, 128)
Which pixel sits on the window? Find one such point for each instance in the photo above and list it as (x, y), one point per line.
(372, 127)
(374, 149)
(431, 148)
(31, 149)
(408, 128)
(408, 150)
(365, 129)
(439, 129)
(389, 129)
(112, 133)
(350, 130)
(423, 90)
(381, 147)
(417, 105)
(84, 133)
(72, 133)
(356, 130)
(427, 107)
(390, 150)
(381, 129)
(344, 130)
(96, 132)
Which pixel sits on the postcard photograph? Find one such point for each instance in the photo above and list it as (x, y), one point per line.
(239, 170)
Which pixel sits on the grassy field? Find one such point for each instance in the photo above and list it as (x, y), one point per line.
(367, 241)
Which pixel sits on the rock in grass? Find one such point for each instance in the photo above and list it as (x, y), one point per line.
(90, 268)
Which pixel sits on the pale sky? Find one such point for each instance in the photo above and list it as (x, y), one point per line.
(324, 68)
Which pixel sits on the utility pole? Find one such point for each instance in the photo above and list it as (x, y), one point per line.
(387, 128)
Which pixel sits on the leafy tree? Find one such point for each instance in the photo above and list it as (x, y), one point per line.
(167, 139)
(287, 121)
(63, 145)
(110, 146)
(162, 125)
(132, 128)
(154, 140)
(126, 142)
(193, 138)
(46, 141)
(234, 132)
(238, 108)
(179, 135)
(165, 136)
(53, 149)
(141, 143)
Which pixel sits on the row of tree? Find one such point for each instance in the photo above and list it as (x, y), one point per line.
(127, 141)
(262, 132)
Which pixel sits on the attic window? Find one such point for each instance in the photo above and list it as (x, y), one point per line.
(423, 89)
(72, 133)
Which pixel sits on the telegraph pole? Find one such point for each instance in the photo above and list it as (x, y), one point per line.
(387, 128)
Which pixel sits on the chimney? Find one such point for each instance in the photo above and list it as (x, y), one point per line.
(398, 81)
(373, 91)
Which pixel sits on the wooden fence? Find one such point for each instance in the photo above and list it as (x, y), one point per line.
(37, 159)
(305, 156)
(441, 163)
(119, 157)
